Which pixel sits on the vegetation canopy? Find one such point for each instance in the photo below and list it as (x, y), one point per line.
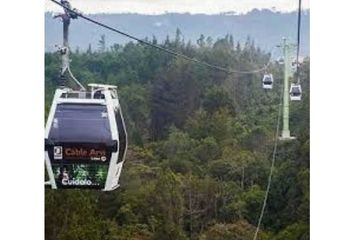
(200, 146)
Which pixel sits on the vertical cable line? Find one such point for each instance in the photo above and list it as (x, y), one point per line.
(298, 41)
(271, 169)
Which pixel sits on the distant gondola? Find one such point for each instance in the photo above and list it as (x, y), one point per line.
(295, 92)
(267, 81)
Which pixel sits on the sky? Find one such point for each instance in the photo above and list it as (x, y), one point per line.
(178, 6)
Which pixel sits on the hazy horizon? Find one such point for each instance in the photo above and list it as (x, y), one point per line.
(157, 7)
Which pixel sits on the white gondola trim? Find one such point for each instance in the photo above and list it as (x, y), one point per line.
(50, 171)
(81, 101)
(114, 131)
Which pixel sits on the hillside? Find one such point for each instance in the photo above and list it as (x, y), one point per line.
(200, 149)
(264, 26)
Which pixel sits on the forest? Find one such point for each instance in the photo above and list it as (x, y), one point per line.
(200, 146)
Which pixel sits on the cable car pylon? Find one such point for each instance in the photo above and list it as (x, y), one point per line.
(287, 48)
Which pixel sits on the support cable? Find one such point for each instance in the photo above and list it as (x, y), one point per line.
(298, 42)
(271, 170)
(169, 51)
(77, 81)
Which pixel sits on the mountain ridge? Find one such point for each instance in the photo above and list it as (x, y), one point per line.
(265, 27)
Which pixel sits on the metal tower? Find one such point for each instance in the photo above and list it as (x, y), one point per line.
(287, 49)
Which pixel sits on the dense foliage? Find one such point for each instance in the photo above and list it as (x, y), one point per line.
(200, 146)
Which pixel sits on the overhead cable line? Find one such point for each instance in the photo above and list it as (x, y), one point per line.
(298, 41)
(169, 51)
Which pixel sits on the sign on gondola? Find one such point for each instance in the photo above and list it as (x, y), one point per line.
(80, 175)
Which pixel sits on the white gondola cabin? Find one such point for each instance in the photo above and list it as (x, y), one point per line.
(267, 81)
(295, 92)
(85, 139)
(280, 61)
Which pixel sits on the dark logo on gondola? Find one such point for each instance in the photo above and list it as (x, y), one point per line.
(85, 153)
(58, 152)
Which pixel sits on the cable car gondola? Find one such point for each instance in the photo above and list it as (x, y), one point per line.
(85, 135)
(294, 65)
(267, 81)
(280, 61)
(295, 92)
(85, 139)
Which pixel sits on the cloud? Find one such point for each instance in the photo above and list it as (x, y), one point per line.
(179, 6)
